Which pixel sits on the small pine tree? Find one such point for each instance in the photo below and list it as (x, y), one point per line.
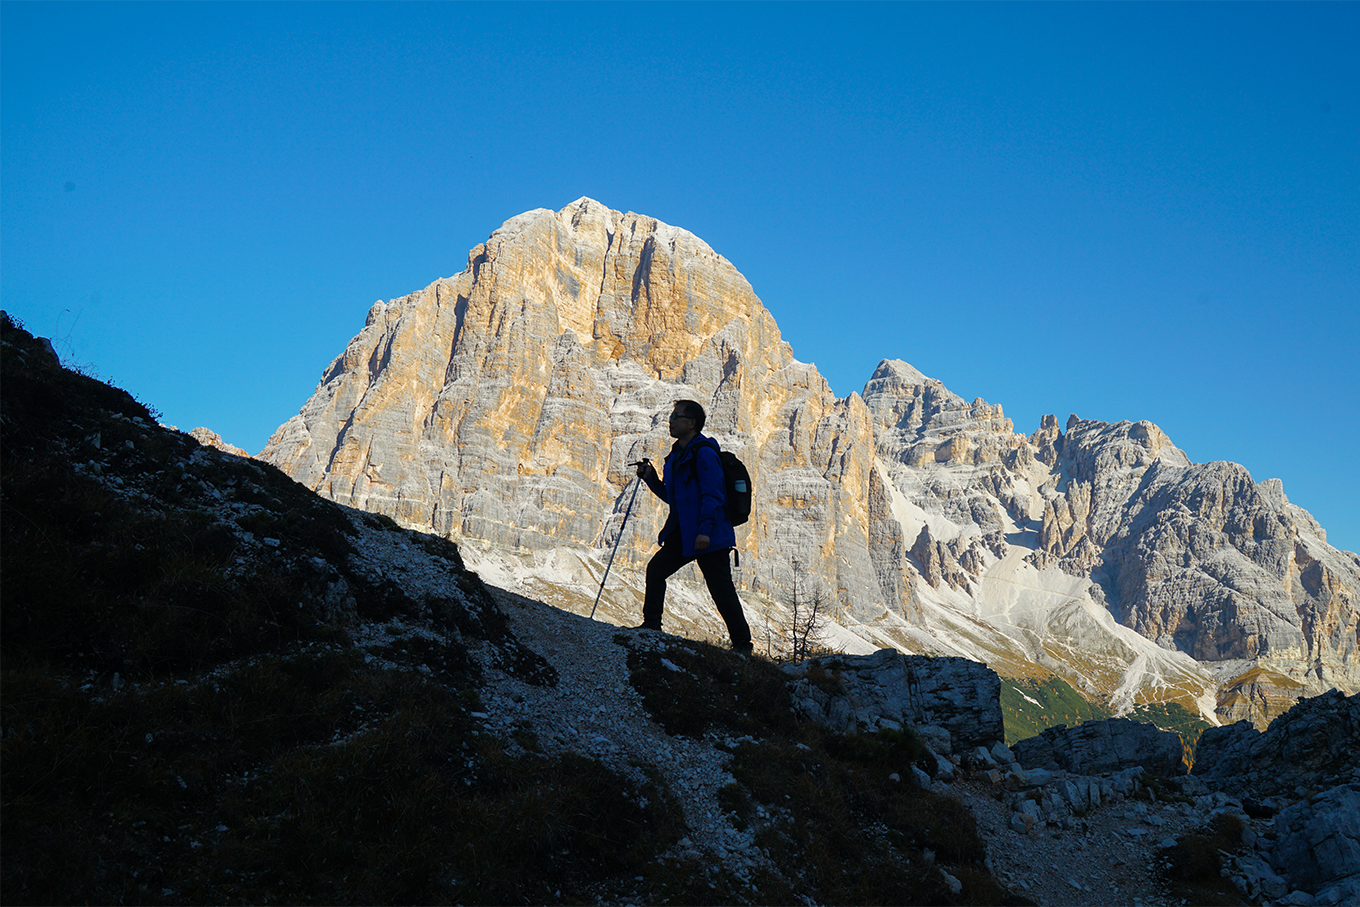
(809, 605)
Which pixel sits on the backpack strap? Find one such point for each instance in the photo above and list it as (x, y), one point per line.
(694, 457)
(694, 465)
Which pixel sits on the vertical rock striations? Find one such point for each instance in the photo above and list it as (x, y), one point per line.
(505, 403)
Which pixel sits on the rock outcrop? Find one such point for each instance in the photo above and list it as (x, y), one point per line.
(1304, 770)
(501, 406)
(1309, 749)
(1101, 747)
(892, 690)
(1294, 792)
(209, 438)
(1318, 844)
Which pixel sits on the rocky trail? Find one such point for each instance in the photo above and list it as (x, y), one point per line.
(1108, 858)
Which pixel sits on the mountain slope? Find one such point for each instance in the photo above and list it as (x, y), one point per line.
(500, 408)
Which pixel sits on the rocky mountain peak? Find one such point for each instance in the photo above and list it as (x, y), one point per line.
(502, 405)
(895, 372)
(919, 421)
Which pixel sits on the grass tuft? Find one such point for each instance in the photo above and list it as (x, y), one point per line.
(692, 688)
(1193, 867)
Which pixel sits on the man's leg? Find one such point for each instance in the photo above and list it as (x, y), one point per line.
(664, 563)
(717, 569)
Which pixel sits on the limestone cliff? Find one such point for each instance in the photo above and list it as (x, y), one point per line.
(501, 407)
(505, 403)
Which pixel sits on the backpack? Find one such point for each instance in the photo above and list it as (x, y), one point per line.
(736, 484)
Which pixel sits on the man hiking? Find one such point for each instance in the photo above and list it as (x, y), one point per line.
(697, 528)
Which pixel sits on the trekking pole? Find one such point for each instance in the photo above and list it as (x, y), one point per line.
(626, 512)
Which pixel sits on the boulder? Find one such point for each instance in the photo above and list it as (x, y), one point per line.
(1310, 748)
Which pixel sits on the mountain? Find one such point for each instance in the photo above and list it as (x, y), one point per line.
(501, 406)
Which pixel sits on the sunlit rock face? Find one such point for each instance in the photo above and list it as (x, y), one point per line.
(504, 404)
(209, 438)
(1201, 559)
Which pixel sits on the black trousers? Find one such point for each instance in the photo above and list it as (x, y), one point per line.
(716, 566)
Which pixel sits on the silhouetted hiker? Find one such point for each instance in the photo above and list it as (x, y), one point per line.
(697, 528)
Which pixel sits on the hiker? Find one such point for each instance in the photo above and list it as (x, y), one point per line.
(697, 528)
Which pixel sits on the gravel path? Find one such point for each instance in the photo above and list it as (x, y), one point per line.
(1109, 858)
(593, 709)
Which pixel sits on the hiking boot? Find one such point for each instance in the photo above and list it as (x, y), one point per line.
(650, 628)
(742, 648)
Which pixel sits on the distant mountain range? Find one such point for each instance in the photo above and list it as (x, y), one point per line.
(500, 408)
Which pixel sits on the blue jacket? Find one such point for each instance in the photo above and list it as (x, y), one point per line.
(698, 507)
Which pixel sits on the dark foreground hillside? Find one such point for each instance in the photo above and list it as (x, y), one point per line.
(220, 688)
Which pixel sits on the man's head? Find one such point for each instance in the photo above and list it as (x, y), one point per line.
(688, 409)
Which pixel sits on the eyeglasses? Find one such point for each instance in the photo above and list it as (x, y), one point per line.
(675, 416)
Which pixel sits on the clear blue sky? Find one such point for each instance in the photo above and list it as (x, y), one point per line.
(1142, 211)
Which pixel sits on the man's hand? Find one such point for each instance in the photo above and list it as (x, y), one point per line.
(701, 543)
(646, 470)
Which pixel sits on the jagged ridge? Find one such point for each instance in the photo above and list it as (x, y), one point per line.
(501, 406)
